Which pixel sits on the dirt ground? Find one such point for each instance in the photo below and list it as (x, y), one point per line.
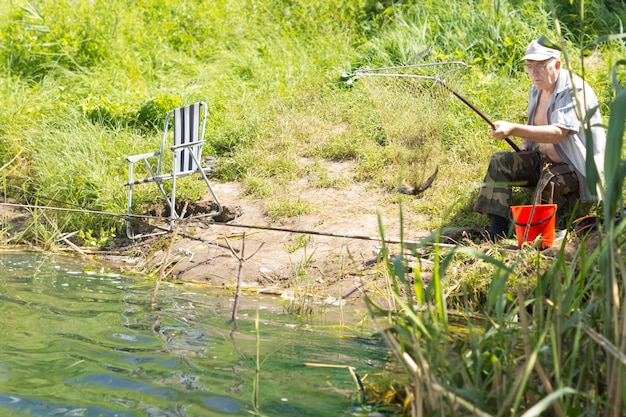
(330, 253)
(307, 253)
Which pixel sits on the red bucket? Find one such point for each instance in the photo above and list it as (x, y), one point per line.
(542, 223)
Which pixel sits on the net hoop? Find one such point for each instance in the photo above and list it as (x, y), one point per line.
(405, 70)
(412, 108)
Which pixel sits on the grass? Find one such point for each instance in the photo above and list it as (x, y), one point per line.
(513, 347)
(275, 96)
(86, 83)
(94, 87)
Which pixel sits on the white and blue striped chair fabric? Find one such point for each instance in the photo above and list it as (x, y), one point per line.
(186, 152)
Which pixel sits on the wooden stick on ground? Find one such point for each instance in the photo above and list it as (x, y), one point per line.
(242, 259)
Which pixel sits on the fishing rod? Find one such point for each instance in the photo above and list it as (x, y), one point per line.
(315, 232)
(138, 218)
(142, 218)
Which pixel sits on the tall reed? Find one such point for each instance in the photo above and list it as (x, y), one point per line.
(558, 350)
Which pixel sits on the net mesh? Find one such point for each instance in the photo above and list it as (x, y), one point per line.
(412, 104)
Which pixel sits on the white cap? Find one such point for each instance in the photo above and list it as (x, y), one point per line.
(538, 52)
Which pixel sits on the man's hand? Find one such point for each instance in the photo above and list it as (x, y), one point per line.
(540, 134)
(501, 129)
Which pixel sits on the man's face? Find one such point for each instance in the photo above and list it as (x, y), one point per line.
(543, 74)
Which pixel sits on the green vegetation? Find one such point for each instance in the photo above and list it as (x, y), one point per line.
(85, 83)
(548, 344)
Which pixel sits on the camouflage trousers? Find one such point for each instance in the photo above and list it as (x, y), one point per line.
(554, 182)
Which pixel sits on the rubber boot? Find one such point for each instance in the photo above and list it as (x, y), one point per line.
(499, 227)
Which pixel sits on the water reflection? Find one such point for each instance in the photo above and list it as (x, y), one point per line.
(80, 341)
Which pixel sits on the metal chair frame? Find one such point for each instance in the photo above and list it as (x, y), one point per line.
(189, 126)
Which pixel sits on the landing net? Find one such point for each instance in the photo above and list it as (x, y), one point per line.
(412, 104)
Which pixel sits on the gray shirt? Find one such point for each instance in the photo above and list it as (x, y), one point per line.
(562, 112)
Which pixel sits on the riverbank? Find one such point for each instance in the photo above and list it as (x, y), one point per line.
(331, 253)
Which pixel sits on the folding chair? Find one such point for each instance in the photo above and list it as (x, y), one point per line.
(186, 153)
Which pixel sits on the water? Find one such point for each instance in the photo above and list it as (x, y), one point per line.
(80, 341)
